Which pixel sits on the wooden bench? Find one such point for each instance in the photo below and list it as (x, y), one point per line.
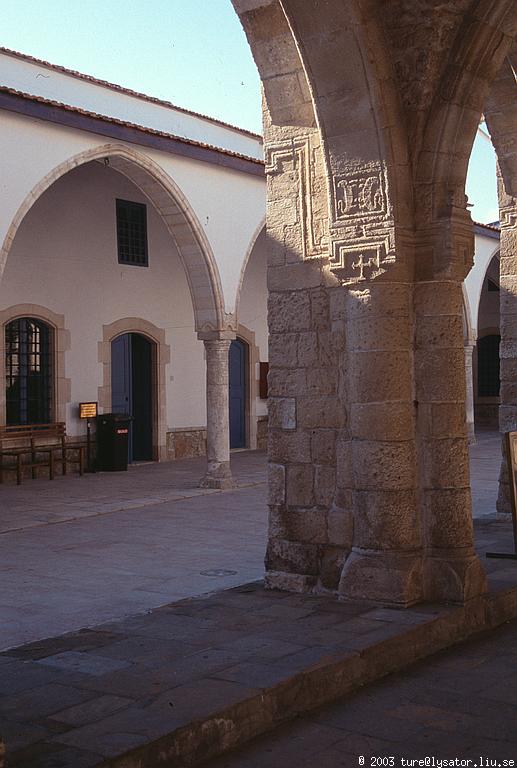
(41, 445)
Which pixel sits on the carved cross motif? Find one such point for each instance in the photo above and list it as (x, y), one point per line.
(361, 264)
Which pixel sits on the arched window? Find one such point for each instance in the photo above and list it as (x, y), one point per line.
(488, 366)
(28, 366)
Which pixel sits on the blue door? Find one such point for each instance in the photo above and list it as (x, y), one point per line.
(238, 359)
(131, 390)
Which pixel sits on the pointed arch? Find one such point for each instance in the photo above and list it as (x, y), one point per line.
(481, 46)
(261, 228)
(171, 204)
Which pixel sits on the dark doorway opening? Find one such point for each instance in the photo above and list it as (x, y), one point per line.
(488, 366)
(238, 366)
(132, 390)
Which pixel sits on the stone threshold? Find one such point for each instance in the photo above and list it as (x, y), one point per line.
(225, 668)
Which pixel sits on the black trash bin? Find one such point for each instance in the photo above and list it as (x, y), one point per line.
(112, 441)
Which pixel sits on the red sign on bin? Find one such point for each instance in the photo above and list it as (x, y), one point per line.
(122, 431)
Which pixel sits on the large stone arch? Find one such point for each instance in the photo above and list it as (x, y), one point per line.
(165, 195)
(371, 110)
(342, 442)
(317, 66)
(474, 62)
(501, 117)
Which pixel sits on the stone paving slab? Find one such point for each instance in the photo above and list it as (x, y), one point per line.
(192, 679)
(459, 704)
(41, 502)
(61, 577)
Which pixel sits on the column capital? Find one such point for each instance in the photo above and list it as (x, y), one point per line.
(226, 335)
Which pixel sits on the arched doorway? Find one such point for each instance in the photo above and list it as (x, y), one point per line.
(238, 368)
(488, 366)
(132, 385)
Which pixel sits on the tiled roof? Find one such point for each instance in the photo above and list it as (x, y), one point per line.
(117, 121)
(127, 91)
(493, 226)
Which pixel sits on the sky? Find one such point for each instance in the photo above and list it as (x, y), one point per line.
(194, 54)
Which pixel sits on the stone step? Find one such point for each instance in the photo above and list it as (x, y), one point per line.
(192, 680)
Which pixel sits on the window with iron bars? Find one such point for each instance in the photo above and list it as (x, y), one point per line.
(132, 233)
(28, 367)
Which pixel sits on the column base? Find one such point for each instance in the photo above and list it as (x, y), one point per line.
(453, 579)
(218, 476)
(387, 578)
(289, 582)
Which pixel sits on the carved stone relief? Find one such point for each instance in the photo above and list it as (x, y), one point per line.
(295, 156)
(360, 260)
(508, 216)
(359, 195)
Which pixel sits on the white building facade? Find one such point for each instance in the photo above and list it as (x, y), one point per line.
(133, 267)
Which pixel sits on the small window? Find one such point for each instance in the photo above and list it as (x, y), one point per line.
(132, 233)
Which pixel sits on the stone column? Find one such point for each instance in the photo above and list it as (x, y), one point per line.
(469, 402)
(508, 324)
(452, 571)
(218, 474)
(379, 454)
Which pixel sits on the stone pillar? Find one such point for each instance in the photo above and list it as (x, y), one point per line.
(379, 454)
(218, 474)
(452, 571)
(469, 402)
(508, 324)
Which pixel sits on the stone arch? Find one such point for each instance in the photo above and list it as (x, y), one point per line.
(500, 112)
(161, 353)
(259, 230)
(62, 385)
(495, 254)
(350, 72)
(477, 55)
(324, 65)
(277, 57)
(173, 207)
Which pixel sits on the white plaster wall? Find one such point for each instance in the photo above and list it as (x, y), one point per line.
(485, 248)
(39, 80)
(229, 204)
(64, 257)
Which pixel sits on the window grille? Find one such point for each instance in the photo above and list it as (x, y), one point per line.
(28, 365)
(132, 233)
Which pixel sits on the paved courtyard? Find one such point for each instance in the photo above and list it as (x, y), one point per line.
(78, 551)
(104, 550)
(485, 461)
